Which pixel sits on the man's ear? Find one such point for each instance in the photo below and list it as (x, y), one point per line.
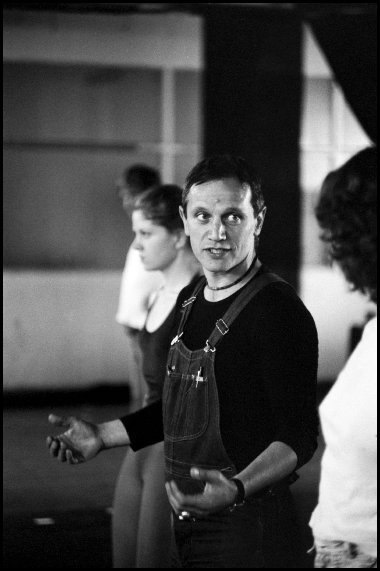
(184, 220)
(260, 221)
(181, 239)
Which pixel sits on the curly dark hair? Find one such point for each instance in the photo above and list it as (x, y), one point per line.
(347, 213)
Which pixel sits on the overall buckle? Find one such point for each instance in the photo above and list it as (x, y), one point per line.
(222, 326)
(209, 348)
(188, 301)
(176, 338)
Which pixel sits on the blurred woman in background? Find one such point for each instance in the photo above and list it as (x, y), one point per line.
(137, 284)
(141, 526)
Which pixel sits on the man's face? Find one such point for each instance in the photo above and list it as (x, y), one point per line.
(221, 223)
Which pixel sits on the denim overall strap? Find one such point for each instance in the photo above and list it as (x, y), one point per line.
(187, 307)
(222, 325)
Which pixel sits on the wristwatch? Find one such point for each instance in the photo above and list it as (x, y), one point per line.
(240, 498)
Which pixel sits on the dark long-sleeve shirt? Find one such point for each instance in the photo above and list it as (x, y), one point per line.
(266, 372)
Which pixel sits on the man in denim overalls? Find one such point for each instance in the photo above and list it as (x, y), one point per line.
(238, 413)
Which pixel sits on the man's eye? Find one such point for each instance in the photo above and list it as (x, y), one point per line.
(233, 219)
(202, 216)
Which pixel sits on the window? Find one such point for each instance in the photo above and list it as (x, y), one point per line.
(330, 134)
(69, 132)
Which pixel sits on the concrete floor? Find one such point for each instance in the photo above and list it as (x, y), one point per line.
(57, 515)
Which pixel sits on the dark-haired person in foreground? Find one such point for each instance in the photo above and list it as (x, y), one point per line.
(344, 522)
(238, 414)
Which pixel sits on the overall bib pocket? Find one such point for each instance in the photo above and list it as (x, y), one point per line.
(185, 406)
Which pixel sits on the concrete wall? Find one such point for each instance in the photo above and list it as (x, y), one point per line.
(93, 39)
(59, 330)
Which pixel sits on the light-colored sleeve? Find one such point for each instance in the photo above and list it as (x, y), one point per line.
(137, 285)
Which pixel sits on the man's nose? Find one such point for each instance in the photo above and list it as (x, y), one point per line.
(217, 230)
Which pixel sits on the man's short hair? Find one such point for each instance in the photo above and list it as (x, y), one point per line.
(219, 167)
(139, 178)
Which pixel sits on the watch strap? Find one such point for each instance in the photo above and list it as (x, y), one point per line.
(240, 498)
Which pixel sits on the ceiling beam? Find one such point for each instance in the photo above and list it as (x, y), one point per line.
(196, 8)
